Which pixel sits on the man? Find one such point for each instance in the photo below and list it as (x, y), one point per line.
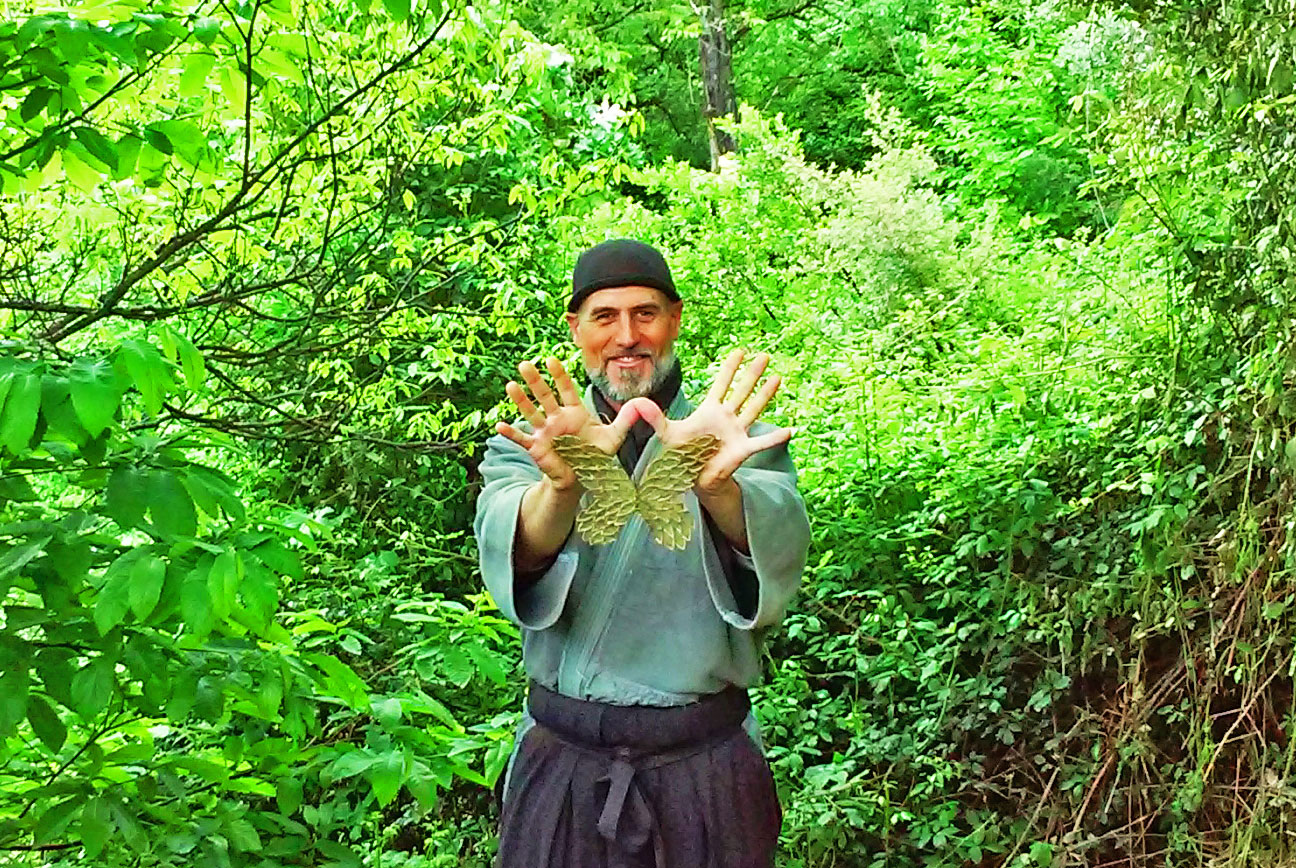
(638, 747)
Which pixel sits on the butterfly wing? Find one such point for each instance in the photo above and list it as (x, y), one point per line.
(610, 495)
(660, 496)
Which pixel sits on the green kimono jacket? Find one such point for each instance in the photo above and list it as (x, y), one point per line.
(632, 622)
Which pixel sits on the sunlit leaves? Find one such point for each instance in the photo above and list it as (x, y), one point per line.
(21, 407)
(148, 371)
(196, 605)
(113, 601)
(399, 10)
(95, 393)
(146, 577)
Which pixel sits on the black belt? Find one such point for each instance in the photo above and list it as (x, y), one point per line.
(634, 739)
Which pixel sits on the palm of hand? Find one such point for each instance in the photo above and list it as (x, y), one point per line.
(551, 420)
(578, 422)
(724, 415)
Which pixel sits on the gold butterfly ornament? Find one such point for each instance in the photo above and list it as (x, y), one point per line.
(612, 496)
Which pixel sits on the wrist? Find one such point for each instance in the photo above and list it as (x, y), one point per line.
(562, 491)
(717, 492)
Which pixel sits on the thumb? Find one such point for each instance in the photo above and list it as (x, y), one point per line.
(647, 410)
(631, 412)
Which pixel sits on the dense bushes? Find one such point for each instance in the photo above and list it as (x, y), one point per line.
(1044, 403)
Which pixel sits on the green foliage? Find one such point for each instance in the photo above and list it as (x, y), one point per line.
(1026, 273)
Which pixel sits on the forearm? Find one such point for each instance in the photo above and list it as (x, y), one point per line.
(545, 519)
(725, 506)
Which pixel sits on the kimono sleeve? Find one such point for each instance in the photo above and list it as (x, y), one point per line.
(508, 471)
(778, 534)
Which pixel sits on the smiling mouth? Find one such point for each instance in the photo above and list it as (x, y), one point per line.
(628, 361)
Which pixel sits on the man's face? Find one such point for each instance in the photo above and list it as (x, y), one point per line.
(625, 335)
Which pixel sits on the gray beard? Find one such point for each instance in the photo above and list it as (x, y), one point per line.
(635, 386)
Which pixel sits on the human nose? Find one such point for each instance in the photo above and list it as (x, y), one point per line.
(626, 335)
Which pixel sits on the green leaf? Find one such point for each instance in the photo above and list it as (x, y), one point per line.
(288, 795)
(21, 407)
(13, 696)
(342, 680)
(148, 371)
(114, 596)
(95, 393)
(399, 10)
(342, 855)
(350, 764)
(170, 506)
(60, 416)
(387, 711)
(421, 785)
(126, 497)
(92, 687)
(54, 668)
(191, 362)
(197, 67)
(243, 836)
(19, 556)
(386, 775)
(36, 100)
(488, 663)
(223, 578)
(128, 150)
(233, 85)
(97, 146)
(129, 826)
(458, 668)
(260, 593)
(146, 578)
(45, 723)
(196, 605)
(55, 820)
(283, 561)
(205, 30)
(95, 827)
(82, 175)
(216, 485)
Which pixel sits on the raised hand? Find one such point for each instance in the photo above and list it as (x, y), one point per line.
(551, 416)
(726, 415)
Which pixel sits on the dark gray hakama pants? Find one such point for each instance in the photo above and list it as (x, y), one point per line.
(605, 786)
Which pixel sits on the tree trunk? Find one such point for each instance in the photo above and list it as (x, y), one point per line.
(717, 78)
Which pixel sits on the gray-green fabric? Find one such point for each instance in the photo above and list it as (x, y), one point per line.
(634, 623)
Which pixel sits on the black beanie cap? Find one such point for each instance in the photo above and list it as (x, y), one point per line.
(620, 262)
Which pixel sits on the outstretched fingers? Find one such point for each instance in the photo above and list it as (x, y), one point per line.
(725, 376)
(769, 440)
(524, 404)
(531, 375)
(563, 381)
(753, 408)
(521, 438)
(743, 387)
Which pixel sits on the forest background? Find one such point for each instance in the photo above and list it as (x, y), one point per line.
(1027, 270)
